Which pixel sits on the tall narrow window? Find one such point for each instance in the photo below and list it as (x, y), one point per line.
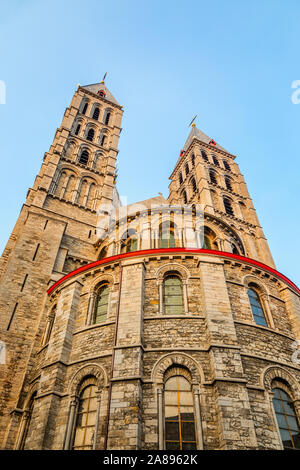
(228, 206)
(28, 416)
(84, 108)
(180, 178)
(77, 129)
(85, 419)
(257, 310)
(103, 140)
(187, 170)
(103, 253)
(194, 185)
(212, 177)
(101, 306)
(90, 134)
(96, 114)
(226, 165)
(215, 160)
(204, 156)
(179, 412)
(84, 157)
(36, 252)
(193, 160)
(228, 183)
(184, 197)
(24, 282)
(286, 419)
(107, 118)
(173, 304)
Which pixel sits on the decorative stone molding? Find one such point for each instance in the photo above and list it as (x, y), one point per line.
(275, 372)
(177, 359)
(94, 370)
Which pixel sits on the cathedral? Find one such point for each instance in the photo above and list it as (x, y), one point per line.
(160, 325)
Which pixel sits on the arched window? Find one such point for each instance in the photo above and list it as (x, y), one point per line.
(27, 418)
(256, 307)
(180, 432)
(129, 241)
(184, 197)
(194, 185)
(187, 170)
(215, 160)
(61, 184)
(77, 129)
(82, 192)
(226, 165)
(286, 419)
(172, 295)
(193, 160)
(180, 178)
(85, 418)
(84, 108)
(69, 188)
(228, 183)
(101, 305)
(84, 157)
(204, 155)
(103, 137)
(96, 114)
(166, 235)
(91, 196)
(90, 135)
(228, 206)
(212, 177)
(107, 118)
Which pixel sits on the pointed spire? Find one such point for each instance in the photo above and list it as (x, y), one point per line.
(197, 134)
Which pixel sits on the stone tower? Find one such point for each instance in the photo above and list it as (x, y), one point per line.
(159, 325)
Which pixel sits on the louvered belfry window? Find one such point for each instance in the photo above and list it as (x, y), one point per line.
(173, 304)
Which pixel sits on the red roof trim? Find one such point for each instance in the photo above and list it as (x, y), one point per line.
(158, 251)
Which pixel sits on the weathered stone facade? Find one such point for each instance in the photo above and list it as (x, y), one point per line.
(73, 239)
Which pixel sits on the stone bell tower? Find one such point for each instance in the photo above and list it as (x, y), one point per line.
(56, 229)
(207, 174)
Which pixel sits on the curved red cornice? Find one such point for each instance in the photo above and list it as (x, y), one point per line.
(157, 251)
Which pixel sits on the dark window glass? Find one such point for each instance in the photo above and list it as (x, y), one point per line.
(77, 129)
(187, 170)
(107, 117)
(184, 197)
(173, 295)
(194, 185)
(212, 177)
(257, 311)
(286, 419)
(193, 160)
(180, 178)
(84, 108)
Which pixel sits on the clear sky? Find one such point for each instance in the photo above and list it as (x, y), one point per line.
(231, 62)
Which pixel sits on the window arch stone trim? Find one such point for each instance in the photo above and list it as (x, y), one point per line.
(177, 359)
(88, 370)
(276, 372)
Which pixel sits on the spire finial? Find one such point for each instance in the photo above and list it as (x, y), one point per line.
(102, 81)
(192, 121)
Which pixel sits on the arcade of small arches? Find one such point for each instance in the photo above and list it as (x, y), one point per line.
(165, 233)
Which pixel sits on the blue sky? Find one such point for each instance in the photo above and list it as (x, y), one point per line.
(232, 63)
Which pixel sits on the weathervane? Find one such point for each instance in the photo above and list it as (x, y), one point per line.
(104, 77)
(192, 120)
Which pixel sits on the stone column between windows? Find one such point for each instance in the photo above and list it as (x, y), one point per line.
(126, 395)
(160, 415)
(232, 398)
(198, 422)
(269, 398)
(70, 424)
